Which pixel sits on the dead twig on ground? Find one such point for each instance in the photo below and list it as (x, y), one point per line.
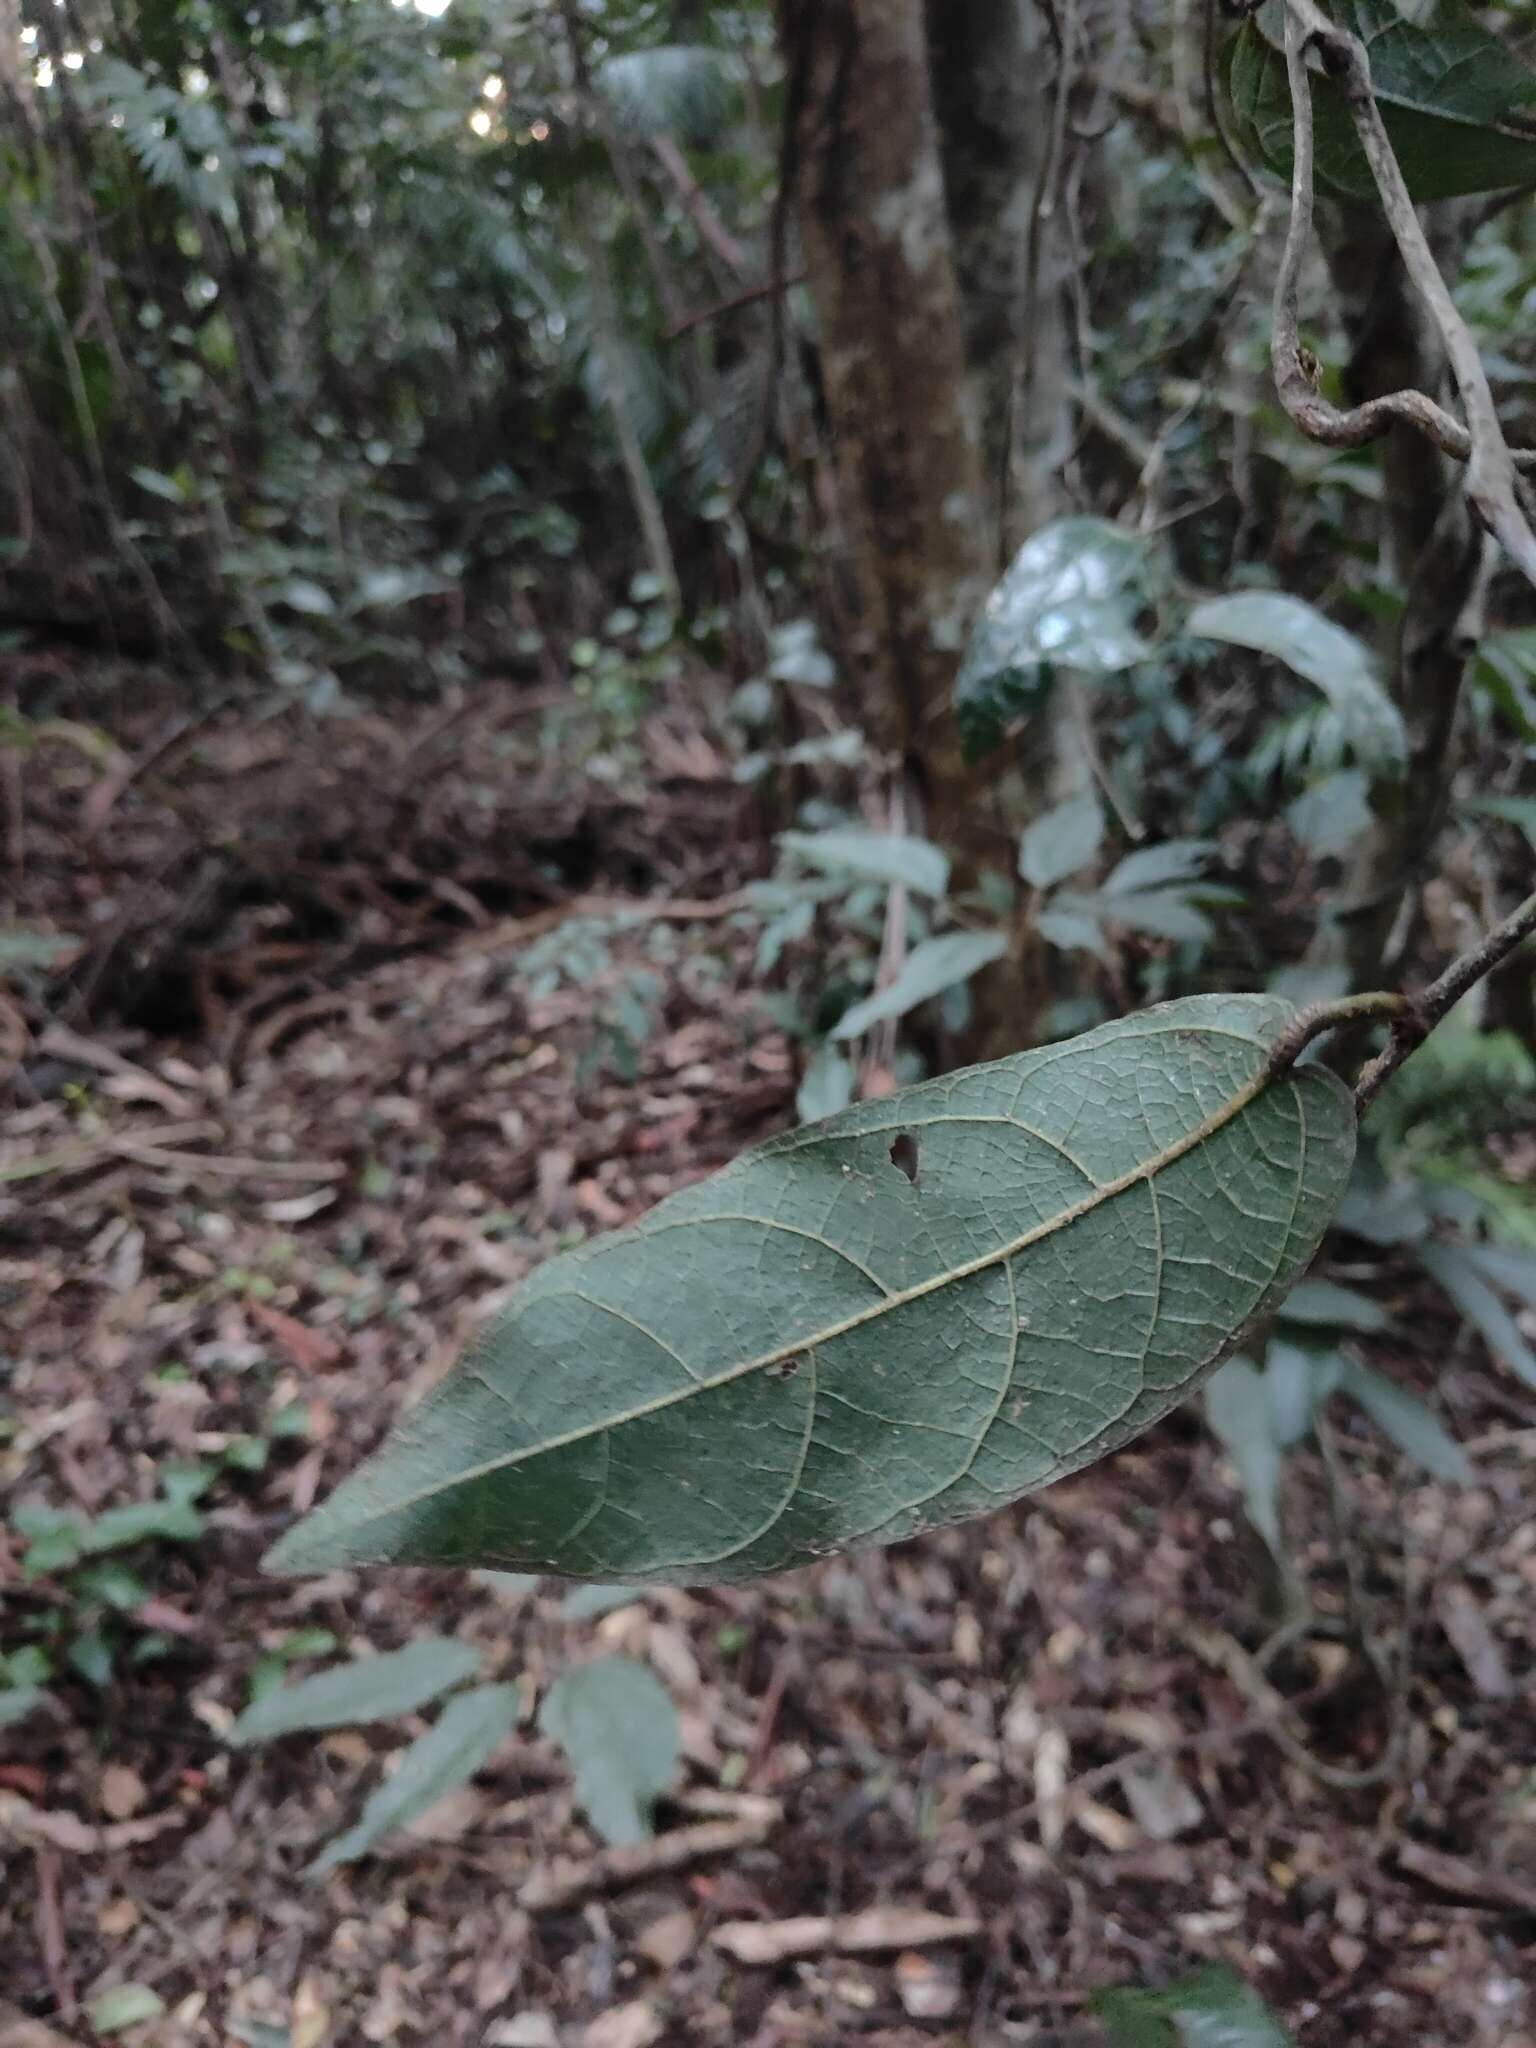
(58, 1830)
(564, 1884)
(883, 1928)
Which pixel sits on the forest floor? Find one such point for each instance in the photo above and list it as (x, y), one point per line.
(324, 1088)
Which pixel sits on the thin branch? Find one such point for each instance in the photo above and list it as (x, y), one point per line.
(1492, 483)
(1420, 1014)
(769, 288)
(712, 229)
(1317, 1018)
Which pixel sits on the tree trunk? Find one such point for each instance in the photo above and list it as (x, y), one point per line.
(1439, 557)
(863, 153)
(993, 94)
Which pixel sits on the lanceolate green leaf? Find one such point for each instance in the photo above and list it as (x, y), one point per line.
(1458, 104)
(1341, 666)
(460, 1740)
(912, 1313)
(367, 1689)
(930, 968)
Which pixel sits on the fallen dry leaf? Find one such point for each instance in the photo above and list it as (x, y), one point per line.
(67, 1831)
(1464, 1880)
(1163, 1804)
(667, 1939)
(927, 1986)
(1475, 1643)
(17, 2031)
(635, 2025)
(564, 1883)
(310, 1350)
(121, 1792)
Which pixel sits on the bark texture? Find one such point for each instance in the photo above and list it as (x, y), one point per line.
(864, 149)
(993, 92)
(1437, 555)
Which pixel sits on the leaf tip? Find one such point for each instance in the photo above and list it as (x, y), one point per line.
(311, 1545)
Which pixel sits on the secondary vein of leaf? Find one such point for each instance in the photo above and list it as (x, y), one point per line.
(1144, 1172)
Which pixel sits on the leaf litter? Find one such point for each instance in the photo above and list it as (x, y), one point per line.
(903, 1731)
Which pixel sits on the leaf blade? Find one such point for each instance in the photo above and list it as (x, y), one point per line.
(1456, 102)
(1415, 1429)
(813, 1349)
(888, 857)
(618, 1726)
(1069, 599)
(367, 1689)
(459, 1741)
(928, 971)
(1313, 647)
(1061, 841)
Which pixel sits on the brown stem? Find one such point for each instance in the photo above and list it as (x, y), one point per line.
(1420, 1014)
(1492, 483)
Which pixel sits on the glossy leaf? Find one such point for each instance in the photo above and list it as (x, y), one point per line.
(1069, 600)
(17, 1701)
(1385, 1212)
(844, 1339)
(1512, 1270)
(615, 1722)
(928, 971)
(1458, 104)
(1073, 926)
(367, 1689)
(1061, 841)
(1341, 666)
(1161, 914)
(461, 1739)
(588, 1603)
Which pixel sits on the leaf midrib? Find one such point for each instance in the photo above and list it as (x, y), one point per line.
(1403, 99)
(1145, 1171)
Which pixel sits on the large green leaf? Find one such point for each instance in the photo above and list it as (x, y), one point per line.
(1458, 104)
(1069, 600)
(913, 1313)
(1341, 666)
